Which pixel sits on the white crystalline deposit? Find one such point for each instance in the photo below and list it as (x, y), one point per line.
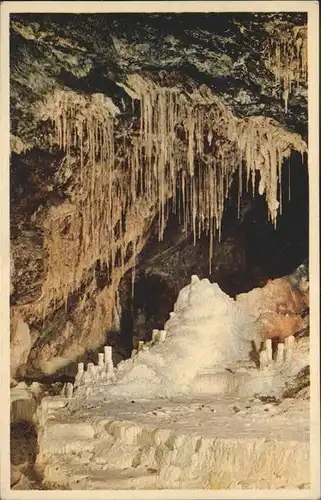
(206, 330)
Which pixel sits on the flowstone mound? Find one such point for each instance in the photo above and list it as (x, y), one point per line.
(210, 345)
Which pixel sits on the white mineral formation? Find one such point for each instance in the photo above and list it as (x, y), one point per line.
(155, 335)
(264, 360)
(108, 353)
(204, 348)
(80, 375)
(101, 360)
(140, 345)
(69, 390)
(280, 354)
(102, 441)
(207, 333)
(268, 346)
(162, 335)
(288, 348)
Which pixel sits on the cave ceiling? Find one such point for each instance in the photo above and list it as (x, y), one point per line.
(92, 53)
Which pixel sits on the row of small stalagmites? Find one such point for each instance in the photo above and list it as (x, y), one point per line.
(283, 353)
(105, 369)
(157, 336)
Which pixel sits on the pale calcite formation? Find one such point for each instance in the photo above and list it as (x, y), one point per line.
(209, 444)
(210, 345)
(286, 55)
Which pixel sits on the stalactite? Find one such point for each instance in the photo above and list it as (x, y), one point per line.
(286, 56)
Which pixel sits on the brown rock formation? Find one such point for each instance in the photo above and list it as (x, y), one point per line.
(280, 306)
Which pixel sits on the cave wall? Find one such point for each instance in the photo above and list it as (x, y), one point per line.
(82, 92)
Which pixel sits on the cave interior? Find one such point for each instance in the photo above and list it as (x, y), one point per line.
(84, 139)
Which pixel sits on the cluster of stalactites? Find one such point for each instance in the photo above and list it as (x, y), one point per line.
(216, 141)
(181, 155)
(286, 55)
(101, 224)
(187, 149)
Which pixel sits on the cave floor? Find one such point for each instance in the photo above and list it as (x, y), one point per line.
(210, 443)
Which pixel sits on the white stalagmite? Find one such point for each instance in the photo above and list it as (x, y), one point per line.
(108, 353)
(80, 374)
(264, 361)
(110, 371)
(87, 376)
(91, 368)
(204, 315)
(268, 347)
(162, 335)
(69, 390)
(101, 360)
(280, 354)
(63, 390)
(288, 348)
(140, 345)
(155, 335)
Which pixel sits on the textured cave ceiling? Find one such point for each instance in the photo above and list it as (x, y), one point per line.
(90, 53)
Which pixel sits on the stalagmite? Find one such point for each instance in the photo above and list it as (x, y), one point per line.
(63, 390)
(80, 374)
(87, 376)
(110, 371)
(140, 345)
(107, 354)
(92, 370)
(162, 335)
(268, 347)
(280, 354)
(155, 335)
(264, 361)
(288, 348)
(101, 360)
(69, 390)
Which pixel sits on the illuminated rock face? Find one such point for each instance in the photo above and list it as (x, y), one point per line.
(281, 305)
(107, 154)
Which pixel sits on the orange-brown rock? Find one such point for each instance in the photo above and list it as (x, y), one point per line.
(279, 305)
